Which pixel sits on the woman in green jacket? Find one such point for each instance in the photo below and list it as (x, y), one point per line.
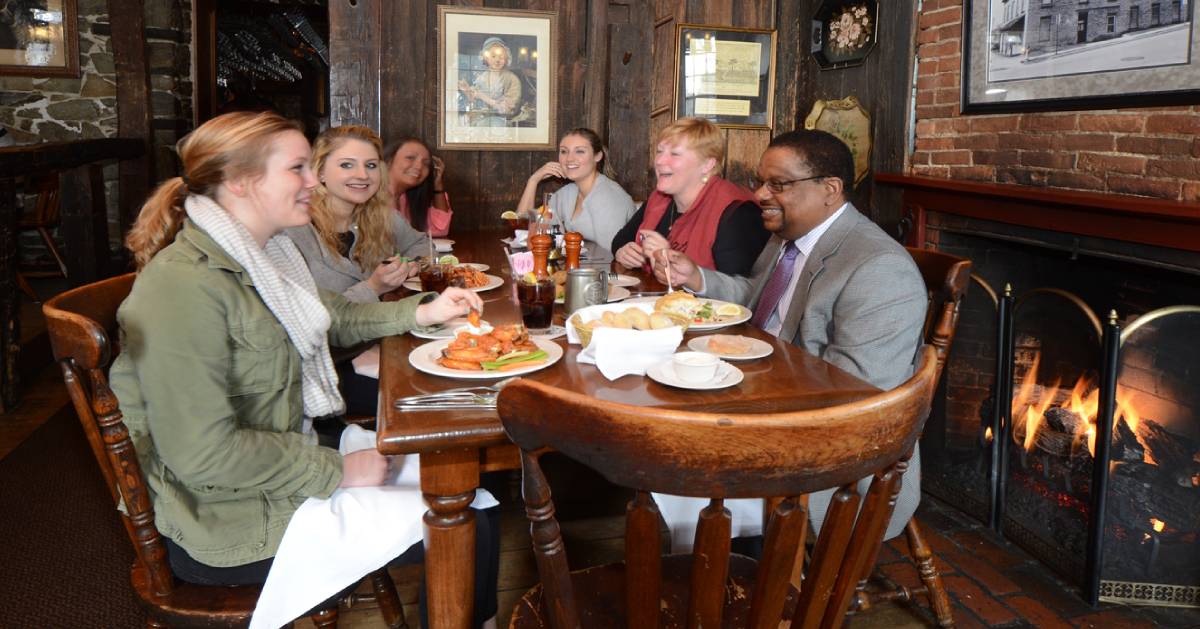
(225, 350)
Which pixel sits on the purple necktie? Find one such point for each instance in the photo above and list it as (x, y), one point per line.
(776, 286)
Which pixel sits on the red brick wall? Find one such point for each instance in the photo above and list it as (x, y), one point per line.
(1148, 152)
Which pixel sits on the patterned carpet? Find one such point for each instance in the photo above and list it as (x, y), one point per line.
(65, 555)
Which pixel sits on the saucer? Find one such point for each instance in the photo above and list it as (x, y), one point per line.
(664, 373)
(554, 332)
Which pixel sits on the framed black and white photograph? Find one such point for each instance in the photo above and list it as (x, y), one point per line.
(725, 75)
(496, 79)
(39, 38)
(1046, 55)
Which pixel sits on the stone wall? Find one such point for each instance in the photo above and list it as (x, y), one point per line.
(1147, 152)
(59, 109)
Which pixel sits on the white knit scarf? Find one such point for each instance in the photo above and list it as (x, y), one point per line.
(287, 287)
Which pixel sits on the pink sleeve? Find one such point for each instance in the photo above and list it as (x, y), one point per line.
(438, 221)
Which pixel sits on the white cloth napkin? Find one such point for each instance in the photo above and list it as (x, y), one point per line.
(681, 513)
(367, 363)
(619, 352)
(332, 543)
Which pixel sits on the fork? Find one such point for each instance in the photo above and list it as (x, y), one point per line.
(463, 393)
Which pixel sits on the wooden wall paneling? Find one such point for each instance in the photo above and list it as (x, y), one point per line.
(10, 297)
(595, 89)
(714, 12)
(407, 72)
(630, 68)
(760, 14)
(134, 114)
(743, 149)
(204, 60)
(355, 45)
(882, 85)
(788, 46)
(572, 61)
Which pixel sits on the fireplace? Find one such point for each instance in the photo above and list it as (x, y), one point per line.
(1037, 371)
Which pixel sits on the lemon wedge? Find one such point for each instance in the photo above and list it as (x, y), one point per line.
(727, 310)
(509, 216)
(448, 259)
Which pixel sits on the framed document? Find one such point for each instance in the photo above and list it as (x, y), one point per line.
(496, 77)
(725, 75)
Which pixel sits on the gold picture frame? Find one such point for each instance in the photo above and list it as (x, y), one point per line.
(42, 39)
(496, 79)
(725, 75)
(847, 120)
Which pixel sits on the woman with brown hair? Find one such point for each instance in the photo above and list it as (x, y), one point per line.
(225, 360)
(692, 209)
(417, 186)
(591, 203)
(349, 244)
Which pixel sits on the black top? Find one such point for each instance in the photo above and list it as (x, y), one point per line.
(345, 241)
(740, 235)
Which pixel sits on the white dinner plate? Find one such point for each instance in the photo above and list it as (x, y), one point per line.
(758, 349)
(443, 245)
(623, 280)
(664, 373)
(615, 293)
(414, 283)
(424, 358)
(447, 331)
(475, 265)
(743, 315)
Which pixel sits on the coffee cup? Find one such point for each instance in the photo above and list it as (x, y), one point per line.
(695, 367)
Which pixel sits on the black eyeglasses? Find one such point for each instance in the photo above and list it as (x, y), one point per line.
(779, 186)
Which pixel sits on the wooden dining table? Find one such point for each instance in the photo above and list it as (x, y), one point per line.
(456, 446)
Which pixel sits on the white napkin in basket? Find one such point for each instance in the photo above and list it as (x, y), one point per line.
(332, 543)
(618, 352)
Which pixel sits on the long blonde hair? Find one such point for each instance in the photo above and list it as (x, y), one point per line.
(228, 147)
(373, 218)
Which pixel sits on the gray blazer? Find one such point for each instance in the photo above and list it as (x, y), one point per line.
(605, 210)
(859, 304)
(340, 274)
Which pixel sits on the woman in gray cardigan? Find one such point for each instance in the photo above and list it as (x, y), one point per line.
(592, 203)
(355, 243)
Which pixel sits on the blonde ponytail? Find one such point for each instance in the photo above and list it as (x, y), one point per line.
(158, 222)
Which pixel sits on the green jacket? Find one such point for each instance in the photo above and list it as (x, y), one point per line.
(210, 387)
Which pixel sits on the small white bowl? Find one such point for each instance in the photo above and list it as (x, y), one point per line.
(695, 367)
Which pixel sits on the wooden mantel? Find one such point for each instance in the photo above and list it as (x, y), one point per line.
(1154, 222)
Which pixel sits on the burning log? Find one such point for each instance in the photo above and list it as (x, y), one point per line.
(1125, 446)
(1173, 453)
(1064, 420)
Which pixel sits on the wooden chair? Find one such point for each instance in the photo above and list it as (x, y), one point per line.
(44, 216)
(80, 323)
(718, 456)
(946, 279)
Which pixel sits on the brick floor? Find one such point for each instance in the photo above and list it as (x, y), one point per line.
(993, 583)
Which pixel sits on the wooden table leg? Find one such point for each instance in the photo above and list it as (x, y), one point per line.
(448, 481)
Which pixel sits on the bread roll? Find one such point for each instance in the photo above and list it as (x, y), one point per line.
(608, 319)
(659, 321)
(637, 318)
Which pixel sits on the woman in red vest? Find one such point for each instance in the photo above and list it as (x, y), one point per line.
(693, 209)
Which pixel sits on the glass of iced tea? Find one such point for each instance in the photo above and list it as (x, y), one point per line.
(435, 277)
(537, 304)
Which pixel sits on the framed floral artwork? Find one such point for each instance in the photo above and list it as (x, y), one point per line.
(725, 75)
(39, 38)
(496, 78)
(844, 32)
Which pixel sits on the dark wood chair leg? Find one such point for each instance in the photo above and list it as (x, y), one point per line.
(325, 619)
(388, 599)
(929, 574)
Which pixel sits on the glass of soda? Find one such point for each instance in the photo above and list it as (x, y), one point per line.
(434, 277)
(537, 304)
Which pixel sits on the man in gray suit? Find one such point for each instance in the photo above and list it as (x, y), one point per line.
(829, 280)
